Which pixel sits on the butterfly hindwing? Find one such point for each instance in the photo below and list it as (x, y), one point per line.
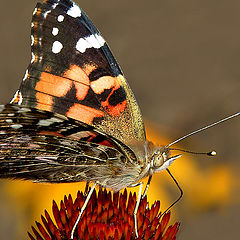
(45, 147)
(73, 73)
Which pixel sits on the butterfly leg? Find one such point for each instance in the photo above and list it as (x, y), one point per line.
(86, 189)
(147, 186)
(140, 184)
(83, 208)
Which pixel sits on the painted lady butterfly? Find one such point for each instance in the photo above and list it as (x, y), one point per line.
(74, 117)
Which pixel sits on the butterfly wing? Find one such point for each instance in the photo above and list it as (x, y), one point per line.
(45, 147)
(74, 73)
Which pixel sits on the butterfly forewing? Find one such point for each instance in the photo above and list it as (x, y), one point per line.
(74, 73)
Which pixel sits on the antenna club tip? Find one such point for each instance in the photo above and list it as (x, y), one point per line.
(212, 153)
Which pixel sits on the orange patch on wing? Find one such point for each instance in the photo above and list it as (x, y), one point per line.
(82, 90)
(53, 85)
(35, 25)
(88, 68)
(77, 74)
(39, 11)
(115, 110)
(44, 102)
(83, 113)
(103, 83)
(81, 80)
(108, 82)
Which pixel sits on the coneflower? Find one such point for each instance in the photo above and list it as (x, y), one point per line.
(106, 217)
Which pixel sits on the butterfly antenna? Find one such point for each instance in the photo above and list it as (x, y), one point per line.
(212, 153)
(179, 188)
(203, 128)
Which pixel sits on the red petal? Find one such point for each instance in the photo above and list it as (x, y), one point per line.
(31, 237)
(35, 232)
(43, 231)
(165, 221)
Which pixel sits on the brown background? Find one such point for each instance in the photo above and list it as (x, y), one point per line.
(181, 59)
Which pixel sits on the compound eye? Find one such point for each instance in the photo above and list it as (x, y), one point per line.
(158, 160)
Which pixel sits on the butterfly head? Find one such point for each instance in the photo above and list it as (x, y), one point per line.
(161, 159)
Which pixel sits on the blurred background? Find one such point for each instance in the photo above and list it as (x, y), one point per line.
(181, 59)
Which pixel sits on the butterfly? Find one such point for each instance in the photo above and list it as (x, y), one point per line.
(74, 117)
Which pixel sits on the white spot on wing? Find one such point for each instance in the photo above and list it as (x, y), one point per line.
(16, 126)
(60, 18)
(74, 11)
(32, 24)
(54, 5)
(20, 98)
(34, 11)
(82, 45)
(15, 96)
(44, 122)
(32, 40)
(9, 120)
(57, 47)
(55, 31)
(48, 122)
(33, 57)
(25, 75)
(46, 13)
(40, 41)
(95, 41)
(100, 39)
